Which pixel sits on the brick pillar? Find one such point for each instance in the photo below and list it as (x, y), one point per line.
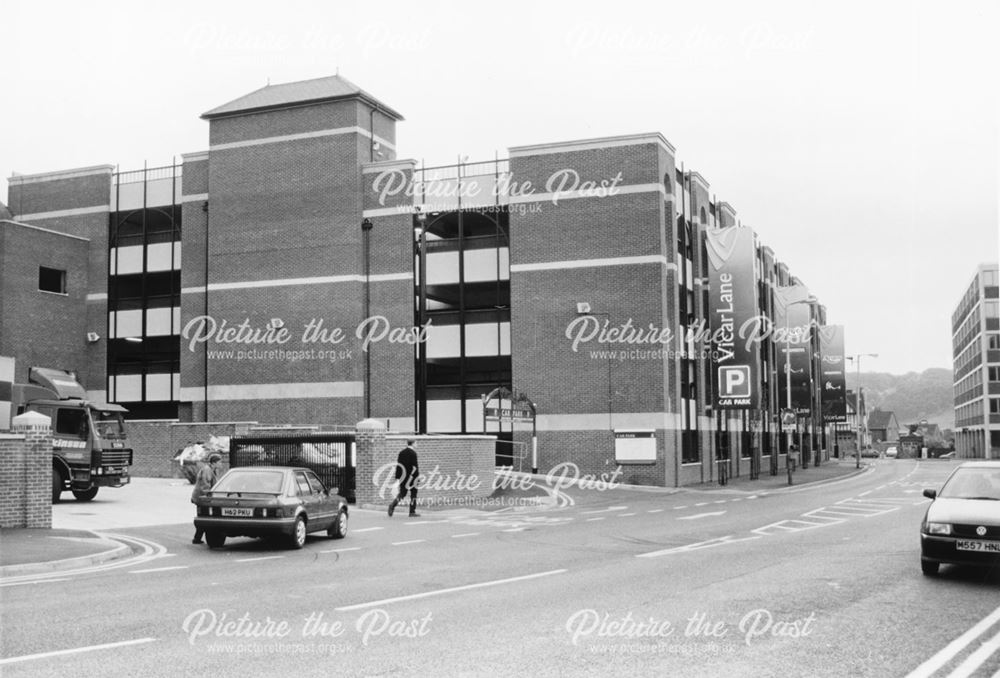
(372, 455)
(37, 469)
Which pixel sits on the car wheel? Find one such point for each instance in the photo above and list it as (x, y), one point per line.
(86, 495)
(339, 528)
(299, 533)
(215, 539)
(57, 484)
(929, 567)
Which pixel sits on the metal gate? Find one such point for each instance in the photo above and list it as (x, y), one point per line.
(330, 456)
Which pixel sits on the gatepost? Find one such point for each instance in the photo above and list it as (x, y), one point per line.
(371, 454)
(31, 471)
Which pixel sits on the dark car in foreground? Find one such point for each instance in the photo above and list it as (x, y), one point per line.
(270, 501)
(962, 524)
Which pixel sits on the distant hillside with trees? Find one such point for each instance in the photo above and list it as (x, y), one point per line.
(913, 396)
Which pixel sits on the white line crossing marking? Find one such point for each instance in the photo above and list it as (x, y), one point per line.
(701, 515)
(513, 529)
(948, 652)
(655, 511)
(368, 529)
(159, 569)
(410, 541)
(678, 508)
(590, 520)
(453, 589)
(349, 548)
(251, 560)
(75, 650)
(625, 515)
(466, 534)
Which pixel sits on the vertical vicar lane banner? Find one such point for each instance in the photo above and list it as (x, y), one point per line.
(794, 345)
(831, 350)
(732, 302)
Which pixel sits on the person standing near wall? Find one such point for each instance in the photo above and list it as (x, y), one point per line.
(407, 472)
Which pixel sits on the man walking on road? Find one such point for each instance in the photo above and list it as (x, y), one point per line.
(407, 473)
(207, 475)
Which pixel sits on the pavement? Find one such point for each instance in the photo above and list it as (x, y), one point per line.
(80, 536)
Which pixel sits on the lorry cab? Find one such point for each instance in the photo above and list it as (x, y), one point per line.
(90, 448)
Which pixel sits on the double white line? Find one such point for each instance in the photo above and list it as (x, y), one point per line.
(973, 661)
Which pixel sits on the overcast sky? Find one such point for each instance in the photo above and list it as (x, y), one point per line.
(859, 139)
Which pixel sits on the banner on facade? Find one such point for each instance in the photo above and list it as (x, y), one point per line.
(831, 350)
(792, 329)
(732, 302)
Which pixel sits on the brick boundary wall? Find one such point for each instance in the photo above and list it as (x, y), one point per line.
(26, 479)
(155, 442)
(457, 471)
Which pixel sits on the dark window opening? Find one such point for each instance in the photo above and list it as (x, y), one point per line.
(51, 280)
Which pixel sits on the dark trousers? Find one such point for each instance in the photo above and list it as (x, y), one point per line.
(403, 489)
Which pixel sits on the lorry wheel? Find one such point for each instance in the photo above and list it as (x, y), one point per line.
(86, 495)
(57, 484)
(215, 539)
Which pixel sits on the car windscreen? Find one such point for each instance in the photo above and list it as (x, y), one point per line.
(972, 483)
(266, 482)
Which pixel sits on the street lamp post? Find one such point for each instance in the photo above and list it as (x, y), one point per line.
(366, 229)
(421, 231)
(857, 403)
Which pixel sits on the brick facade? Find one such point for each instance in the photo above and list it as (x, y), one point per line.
(272, 238)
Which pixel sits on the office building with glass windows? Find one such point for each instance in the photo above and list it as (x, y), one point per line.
(299, 272)
(975, 327)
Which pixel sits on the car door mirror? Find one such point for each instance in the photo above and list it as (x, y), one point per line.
(930, 494)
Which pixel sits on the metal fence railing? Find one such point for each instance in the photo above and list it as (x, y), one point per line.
(331, 456)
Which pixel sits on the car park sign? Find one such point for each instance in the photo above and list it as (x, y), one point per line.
(732, 303)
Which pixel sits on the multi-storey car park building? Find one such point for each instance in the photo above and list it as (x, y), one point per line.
(975, 327)
(247, 281)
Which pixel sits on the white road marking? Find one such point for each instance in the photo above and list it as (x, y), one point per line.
(625, 515)
(703, 503)
(678, 508)
(75, 650)
(368, 529)
(25, 583)
(466, 534)
(159, 569)
(513, 529)
(711, 543)
(350, 548)
(976, 659)
(654, 511)
(949, 651)
(590, 520)
(701, 515)
(453, 589)
(250, 560)
(605, 510)
(411, 541)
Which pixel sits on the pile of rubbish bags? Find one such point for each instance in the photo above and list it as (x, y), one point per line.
(192, 456)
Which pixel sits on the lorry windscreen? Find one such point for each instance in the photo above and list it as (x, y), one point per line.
(109, 424)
